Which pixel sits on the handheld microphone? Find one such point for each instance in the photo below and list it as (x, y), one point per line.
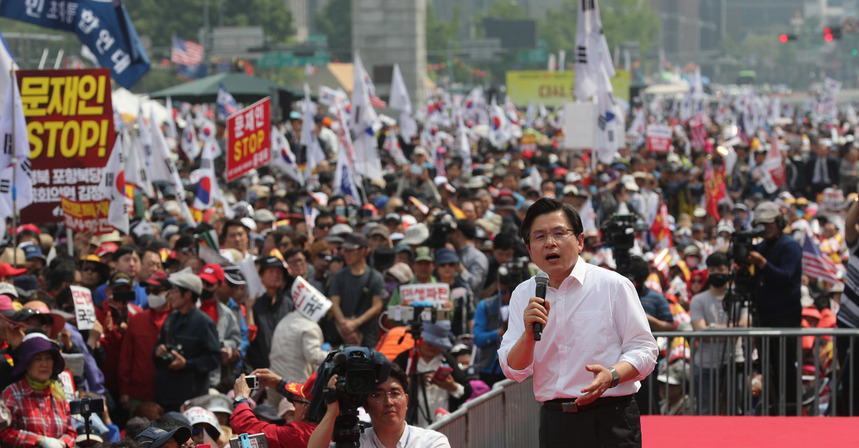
(540, 291)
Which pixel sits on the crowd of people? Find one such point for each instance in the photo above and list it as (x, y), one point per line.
(186, 311)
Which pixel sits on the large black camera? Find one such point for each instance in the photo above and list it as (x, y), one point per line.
(358, 370)
(168, 357)
(440, 225)
(742, 243)
(618, 232)
(514, 272)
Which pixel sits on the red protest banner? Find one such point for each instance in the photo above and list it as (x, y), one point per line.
(248, 139)
(659, 138)
(70, 127)
(88, 216)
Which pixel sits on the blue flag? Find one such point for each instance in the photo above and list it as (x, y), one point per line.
(226, 103)
(104, 27)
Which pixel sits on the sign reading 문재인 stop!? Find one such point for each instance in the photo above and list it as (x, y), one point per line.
(248, 139)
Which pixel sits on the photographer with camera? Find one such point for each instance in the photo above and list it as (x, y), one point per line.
(113, 314)
(778, 277)
(386, 406)
(188, 348)
(295, 433)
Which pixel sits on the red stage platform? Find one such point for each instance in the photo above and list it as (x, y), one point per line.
(757, 432)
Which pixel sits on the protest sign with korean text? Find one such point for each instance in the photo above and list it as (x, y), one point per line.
(248, 139)
(659, 138)
(435, 293)
(311, 303)
(87, 216)
(70, 128)
(84, 309)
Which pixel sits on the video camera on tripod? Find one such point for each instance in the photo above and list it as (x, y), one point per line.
(618, 232)
(358, 370)
(742, 244)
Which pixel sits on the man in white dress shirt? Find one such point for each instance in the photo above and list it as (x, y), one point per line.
(596, 343)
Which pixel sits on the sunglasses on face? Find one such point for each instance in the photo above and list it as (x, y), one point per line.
(325, 226)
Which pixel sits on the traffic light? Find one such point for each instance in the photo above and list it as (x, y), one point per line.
(831, 33)
(785, 38)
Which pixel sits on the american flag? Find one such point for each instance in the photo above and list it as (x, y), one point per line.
(814, 264)
(186, 52)
(377, 102)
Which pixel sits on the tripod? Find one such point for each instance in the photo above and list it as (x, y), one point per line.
(416, 383)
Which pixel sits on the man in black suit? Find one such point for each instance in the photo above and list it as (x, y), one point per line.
(822, 169)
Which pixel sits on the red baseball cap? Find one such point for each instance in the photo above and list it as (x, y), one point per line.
(158, 278)
(6, 270)
(106, 249)
(301, 390)
(212, 273)
(24, 227)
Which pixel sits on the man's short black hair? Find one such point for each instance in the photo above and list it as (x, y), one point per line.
(717, 259)
(232, 223)
(123, 251)
(400, 376)
(467, 228)
(324, 215)
(545, 206)
(639, 270)
(504, 241)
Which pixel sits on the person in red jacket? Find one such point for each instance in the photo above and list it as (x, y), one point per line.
(136, 367)
(293, 434)
(113, 315)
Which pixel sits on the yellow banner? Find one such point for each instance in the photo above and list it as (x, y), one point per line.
(553, 89)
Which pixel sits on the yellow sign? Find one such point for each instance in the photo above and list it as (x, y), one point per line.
(553, 89)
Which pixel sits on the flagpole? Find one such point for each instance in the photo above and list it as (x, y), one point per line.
(14, 173)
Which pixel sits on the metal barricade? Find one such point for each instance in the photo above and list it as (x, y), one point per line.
(757, 371)
(508, 415)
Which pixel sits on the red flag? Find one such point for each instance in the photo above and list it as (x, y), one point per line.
(660, 230)
(714, 188)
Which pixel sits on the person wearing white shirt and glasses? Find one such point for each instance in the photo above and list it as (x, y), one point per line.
(387, 409)
(596, 344)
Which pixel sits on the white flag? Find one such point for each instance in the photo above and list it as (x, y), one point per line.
(282, 156)
(113, 188)
(499, 126)
(308, 138)
(367, 163)
(136, 172)
(400, 101)
(170, 127)
(592, 53)
(15, 158)
(344, 180)
(535, 178)
(190, 146)
(7, 65)
(164, 169)
(208, 191)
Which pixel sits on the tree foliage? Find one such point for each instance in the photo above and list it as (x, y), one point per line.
(160, 20)
(622, 20)
(441, 35)
(335, 21)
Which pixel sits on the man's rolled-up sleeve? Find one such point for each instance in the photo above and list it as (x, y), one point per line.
(638, 347)
(515, 328)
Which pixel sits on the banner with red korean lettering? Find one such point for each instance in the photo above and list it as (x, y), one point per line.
(70, 128)
(659, 138)
(248, 139)
(87, 216)
(435, 293)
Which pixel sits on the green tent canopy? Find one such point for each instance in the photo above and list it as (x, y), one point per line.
(245, 89)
